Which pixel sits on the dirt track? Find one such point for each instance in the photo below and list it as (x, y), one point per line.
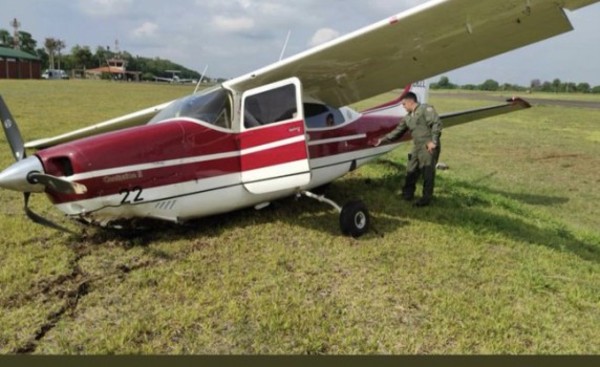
(534, 101)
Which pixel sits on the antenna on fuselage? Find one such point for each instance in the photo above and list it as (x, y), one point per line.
(200, 80)
(285, 45)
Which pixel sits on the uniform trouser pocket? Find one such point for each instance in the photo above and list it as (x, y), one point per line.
(421, 162)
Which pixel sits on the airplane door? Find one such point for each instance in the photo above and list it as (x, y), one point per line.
(274, 153)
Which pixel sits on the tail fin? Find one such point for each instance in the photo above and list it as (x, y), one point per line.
(394, 108)
(421, 89)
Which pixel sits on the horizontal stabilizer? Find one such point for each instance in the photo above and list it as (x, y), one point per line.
(457, 118)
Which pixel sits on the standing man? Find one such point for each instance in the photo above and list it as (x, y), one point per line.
(426, 129)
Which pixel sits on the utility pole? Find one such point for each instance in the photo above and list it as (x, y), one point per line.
(16, 25)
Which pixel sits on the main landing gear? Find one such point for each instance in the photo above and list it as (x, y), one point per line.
(354, 216)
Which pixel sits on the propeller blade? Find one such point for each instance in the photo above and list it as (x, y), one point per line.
(11, 130)
(57, 184)
(41, 220)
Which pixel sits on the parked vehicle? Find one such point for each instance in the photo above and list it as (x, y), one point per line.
(54, 74)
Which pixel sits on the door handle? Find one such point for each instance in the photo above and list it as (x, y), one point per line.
(294, 129)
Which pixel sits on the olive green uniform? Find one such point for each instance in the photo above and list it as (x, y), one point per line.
(425, 126)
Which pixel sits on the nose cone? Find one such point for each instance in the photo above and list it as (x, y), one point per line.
(15, 176)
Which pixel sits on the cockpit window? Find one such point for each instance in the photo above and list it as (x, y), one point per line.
(212, 106)
(271, 106)
(319, 115)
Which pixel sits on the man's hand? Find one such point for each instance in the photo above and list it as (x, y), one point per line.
(377, 142)
(431, 147)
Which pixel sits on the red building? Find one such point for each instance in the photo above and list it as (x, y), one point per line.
(16, 64)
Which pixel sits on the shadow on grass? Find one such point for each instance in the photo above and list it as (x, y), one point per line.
(530, 199)
(468, 205)
(459, 204)
(304, 212)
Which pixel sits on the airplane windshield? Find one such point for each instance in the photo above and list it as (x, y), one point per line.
(212, 106)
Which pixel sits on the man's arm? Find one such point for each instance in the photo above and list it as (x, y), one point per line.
(394, 134)
(435, 124)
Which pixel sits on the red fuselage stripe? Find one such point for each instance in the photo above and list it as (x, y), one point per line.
(186, 141)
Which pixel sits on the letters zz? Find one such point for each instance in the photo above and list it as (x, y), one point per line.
(135, 192)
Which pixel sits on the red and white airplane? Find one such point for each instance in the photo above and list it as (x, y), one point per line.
(263, 136)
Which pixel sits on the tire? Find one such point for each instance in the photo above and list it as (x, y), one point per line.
(354, 219)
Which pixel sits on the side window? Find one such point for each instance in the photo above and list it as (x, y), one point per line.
(319, 115)
(271, 106)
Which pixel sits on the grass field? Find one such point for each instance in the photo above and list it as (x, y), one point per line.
(588, 97)
(507, 260)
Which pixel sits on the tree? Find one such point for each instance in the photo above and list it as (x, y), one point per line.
(60, 45)
(51, 45)
(27, 43)
(547, 87)
(584, 88)
(82, 57)
(5, 38)
(490, 85)
(101, 55)
(132, 62)
(535, 84)
(43, 55)
(556, 85)
(443, 83)
(569, 87)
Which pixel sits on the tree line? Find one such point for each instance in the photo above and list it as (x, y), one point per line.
(83, 58)
(536, 85)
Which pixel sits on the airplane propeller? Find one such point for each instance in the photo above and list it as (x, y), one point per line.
(26, 175)
(36, 218)
(56, 183)
(11, 130)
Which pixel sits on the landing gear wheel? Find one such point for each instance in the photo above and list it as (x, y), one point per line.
(354, 218)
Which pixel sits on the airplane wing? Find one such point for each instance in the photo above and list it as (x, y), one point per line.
(161, 79)
(457, 118)
(133, 119)
(422, 42)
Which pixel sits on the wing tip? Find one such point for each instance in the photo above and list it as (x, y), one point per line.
(518, 101)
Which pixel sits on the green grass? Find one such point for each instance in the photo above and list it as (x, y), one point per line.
(505, 261)
(589, 97)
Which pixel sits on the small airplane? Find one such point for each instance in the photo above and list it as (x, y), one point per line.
(174, 78)
(263, 136)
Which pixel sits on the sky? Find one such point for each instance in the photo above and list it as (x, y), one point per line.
(234, 37)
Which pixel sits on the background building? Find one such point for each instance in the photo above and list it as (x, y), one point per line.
(116, 68)
(16, 64)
